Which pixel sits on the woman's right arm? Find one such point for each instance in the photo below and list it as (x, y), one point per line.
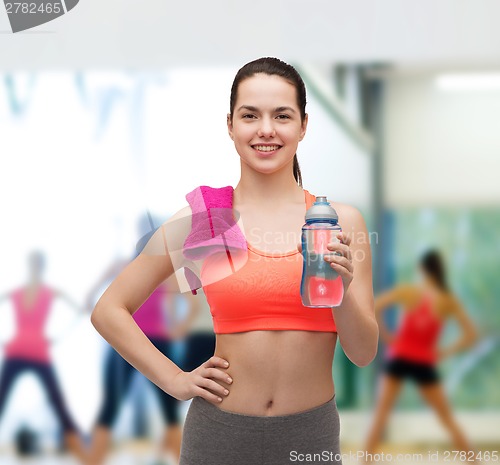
(112, 271)
(112, 318)
(396, 295)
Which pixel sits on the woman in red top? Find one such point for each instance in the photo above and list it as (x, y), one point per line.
(413, 349)
(29, 349)
(267, 395)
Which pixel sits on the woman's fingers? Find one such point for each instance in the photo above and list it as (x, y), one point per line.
(209, 383)
(341, 258)
(209, 372)
(216, 361)
(338, 261)
(340, 249)
(218, 374)
(207, 395)
(344, 238)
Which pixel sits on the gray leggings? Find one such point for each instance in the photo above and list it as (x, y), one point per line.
(217, 437)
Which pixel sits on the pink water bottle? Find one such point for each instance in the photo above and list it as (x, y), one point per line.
(321, 286)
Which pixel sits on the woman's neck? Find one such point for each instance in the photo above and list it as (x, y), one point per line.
(258, 188)
(432, 288)
(34, 282)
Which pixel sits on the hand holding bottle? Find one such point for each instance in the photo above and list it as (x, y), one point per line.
(341, 259)
(345, 267)
(325, 275)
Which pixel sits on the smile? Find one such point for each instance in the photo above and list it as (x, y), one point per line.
(266, 148)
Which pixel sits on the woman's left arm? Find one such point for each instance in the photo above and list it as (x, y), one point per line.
(355, 319)
(469, 332)
(63, 296)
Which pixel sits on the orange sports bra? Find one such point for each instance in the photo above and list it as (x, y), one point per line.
(262, 294)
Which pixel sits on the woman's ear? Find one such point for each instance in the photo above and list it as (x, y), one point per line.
(304, 126)
(229, 126)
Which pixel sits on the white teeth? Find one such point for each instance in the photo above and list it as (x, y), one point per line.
(266, 148)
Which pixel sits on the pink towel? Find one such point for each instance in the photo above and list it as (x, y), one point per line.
(213, 228)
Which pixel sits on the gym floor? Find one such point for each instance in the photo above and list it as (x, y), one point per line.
(141, 453)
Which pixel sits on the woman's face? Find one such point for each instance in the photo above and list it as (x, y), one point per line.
(266, 127)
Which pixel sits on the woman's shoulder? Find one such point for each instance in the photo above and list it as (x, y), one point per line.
(408, 294)
(350, 217)
(346, 208)
(202, 197)
(171, 234)
(451, 303)
(178, 226)
(183, 212)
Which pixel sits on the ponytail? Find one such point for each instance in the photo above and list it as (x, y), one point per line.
(296, 171)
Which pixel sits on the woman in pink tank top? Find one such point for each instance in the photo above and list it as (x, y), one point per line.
(153, 318)
(28, 350)
(413, 347)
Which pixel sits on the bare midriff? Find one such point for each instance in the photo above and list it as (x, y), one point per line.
(276, 372)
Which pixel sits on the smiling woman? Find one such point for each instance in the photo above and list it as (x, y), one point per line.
(268, 389)
(262, 113)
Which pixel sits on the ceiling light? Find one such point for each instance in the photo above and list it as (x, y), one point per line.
(468, 81)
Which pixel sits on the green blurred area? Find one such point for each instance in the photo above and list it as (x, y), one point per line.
(468, 239)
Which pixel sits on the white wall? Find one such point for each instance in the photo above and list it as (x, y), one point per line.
(155, 33)
(441, 147)
(331, 163)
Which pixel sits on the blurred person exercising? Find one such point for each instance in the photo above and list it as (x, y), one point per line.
(154, 323)
(29, 350)
(267, 394)
(413, 350)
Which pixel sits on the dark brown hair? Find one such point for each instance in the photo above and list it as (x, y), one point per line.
(432, 263)
(273, 66)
